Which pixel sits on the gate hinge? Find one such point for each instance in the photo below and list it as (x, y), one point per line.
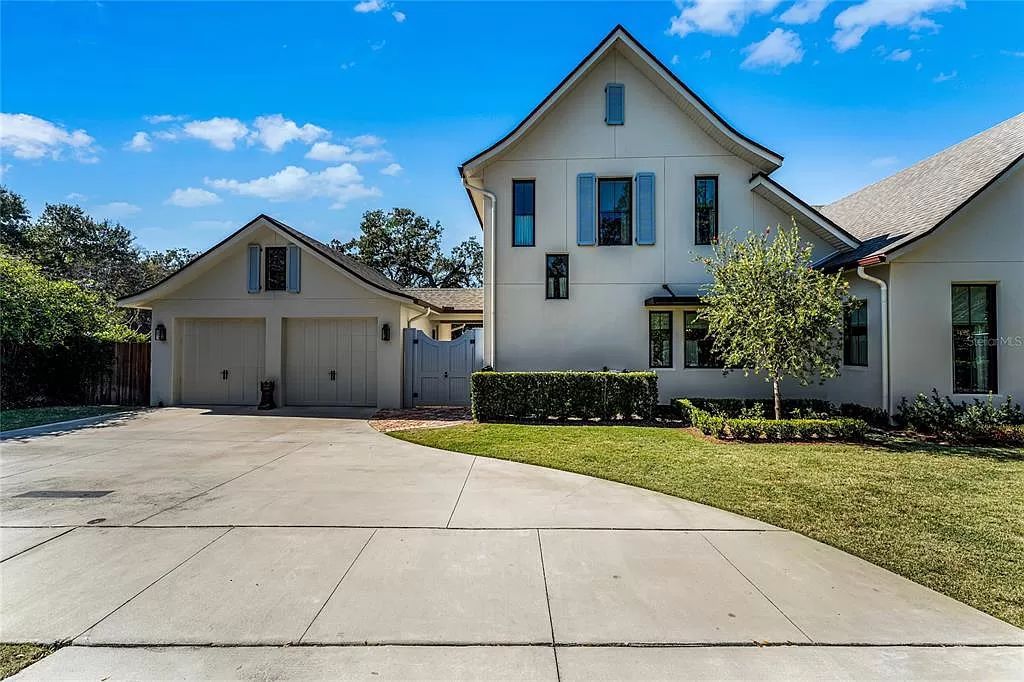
(415, 394)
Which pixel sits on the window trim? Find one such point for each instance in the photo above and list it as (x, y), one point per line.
(266, 268)
(548, 277)
(991, 305)
(632, 208)
(696, 181)
(533, 240)
(863, 304)
(650, 346)
(686, 363)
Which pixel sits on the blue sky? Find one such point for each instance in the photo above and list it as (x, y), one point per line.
(316, 112)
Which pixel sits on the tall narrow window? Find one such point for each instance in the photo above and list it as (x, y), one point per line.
(855, 333)
(705, 206)
(697, 344)
(557, 275)
(275, 268)
(522, 212)
(615, 211)
(660, 334)
(974, 329)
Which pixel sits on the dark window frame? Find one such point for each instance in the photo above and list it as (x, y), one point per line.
(628, 182)
(990, 334)
(855, 305)
(714, 363)
(697, 179)
(533, 214)
(548, 277)
(268, 283)
(650, 339)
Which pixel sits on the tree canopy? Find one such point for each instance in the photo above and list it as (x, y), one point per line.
(406, 247)
(770, 312)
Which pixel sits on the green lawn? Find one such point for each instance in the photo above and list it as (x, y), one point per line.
(14, 657)
(34, 416)
(949, 518)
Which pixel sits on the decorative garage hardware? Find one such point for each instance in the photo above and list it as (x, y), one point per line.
(266, 395)
(224, 374)
(65, 493)
(160, 333)
(334, 375)
(438, 372)
(385, 332)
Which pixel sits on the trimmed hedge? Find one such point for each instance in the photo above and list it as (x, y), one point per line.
(838, 428)
(502, 396)
(733, 408)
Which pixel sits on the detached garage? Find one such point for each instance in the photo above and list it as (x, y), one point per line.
(271, 303)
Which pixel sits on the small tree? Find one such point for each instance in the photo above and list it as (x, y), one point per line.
(770, 312)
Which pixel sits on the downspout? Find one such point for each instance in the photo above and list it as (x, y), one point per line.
(489, 326)
(883, 294)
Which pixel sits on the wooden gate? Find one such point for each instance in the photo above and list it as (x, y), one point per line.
(127, 382)
(438, 372)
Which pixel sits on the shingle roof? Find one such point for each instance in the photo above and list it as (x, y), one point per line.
(450, 300)
(911, 203)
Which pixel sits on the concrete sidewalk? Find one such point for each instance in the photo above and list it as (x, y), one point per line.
(204, 532)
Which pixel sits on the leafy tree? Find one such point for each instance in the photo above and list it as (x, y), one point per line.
(156, 265)
(15, 219)
(770, 312)
(406, 247)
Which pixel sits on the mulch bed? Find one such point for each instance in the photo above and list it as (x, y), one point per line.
(420, 418)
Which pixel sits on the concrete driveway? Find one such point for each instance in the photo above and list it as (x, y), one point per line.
(192, 543)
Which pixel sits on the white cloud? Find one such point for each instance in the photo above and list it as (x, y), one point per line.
(369, 6)
(779, 48)
(220, 132)
(157, 119)
(345, 66)
(140, 142)
(392, 169)
(1012, 53)
(5, 168)
(76, 196)
(335, 153)
(705, 55)
(341, 183)
(192, 197)
(116, 209)
(943, 76)
(674, 60)
(275, 131)
(883, 161)
(219, 225)
(28, 137)
(399, 16)
(365, 141)
(853, 22)
(378, 46)
(899, 55)
(721, 17)
(803, 12)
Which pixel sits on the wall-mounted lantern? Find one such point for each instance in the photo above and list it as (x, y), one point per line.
(385, 332)
(160, 333)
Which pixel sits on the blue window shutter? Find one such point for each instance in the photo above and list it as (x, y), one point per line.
(586, 216)
(254, 269)
(615, 104)
(294, 273)
(645, 208)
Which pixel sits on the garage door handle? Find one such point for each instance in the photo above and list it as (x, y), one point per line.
(224, 374)
(334, 375)
(446, 375)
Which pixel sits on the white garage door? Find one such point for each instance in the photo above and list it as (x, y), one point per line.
(222, 361)
(330, 361)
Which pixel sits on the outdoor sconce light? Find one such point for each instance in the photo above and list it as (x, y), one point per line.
(160, 333)
(385, 332)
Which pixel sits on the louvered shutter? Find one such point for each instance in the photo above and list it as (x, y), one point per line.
(254, 268)
(294, 274)
(615, 104)
(645, 208)
(586, 216)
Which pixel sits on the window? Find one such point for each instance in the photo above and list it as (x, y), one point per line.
(855, 333)
(522, 212)
(697, 344)
(615, 104)
(275, 269)
(615, 211)
(557, 276)
(705, 207)
(974, 328)
(660, 333)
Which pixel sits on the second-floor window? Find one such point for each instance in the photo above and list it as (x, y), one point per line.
(615, 211)
(556, 275)
(276, 268)
(705, 207)
(523, 213)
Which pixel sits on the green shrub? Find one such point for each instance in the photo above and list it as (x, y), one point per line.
(977, 421)
(761, 428)
(758, 408)
(499, 396)
(875, 416)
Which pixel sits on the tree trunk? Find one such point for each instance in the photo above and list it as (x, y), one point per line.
(778, 398)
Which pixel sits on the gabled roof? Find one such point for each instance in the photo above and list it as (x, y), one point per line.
(450, 300)
(360, 271)
(709, 120)
(911, 204)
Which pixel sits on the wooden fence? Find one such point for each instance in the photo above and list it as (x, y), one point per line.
(127, 381)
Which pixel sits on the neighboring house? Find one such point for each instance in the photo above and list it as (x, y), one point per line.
(271, 302)
(596, 205)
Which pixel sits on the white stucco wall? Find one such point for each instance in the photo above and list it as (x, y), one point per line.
(220, 292)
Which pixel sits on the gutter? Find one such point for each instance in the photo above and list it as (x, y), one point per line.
(883, 294)
(489, 321)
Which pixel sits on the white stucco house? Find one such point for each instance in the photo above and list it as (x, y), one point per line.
(594, 207)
